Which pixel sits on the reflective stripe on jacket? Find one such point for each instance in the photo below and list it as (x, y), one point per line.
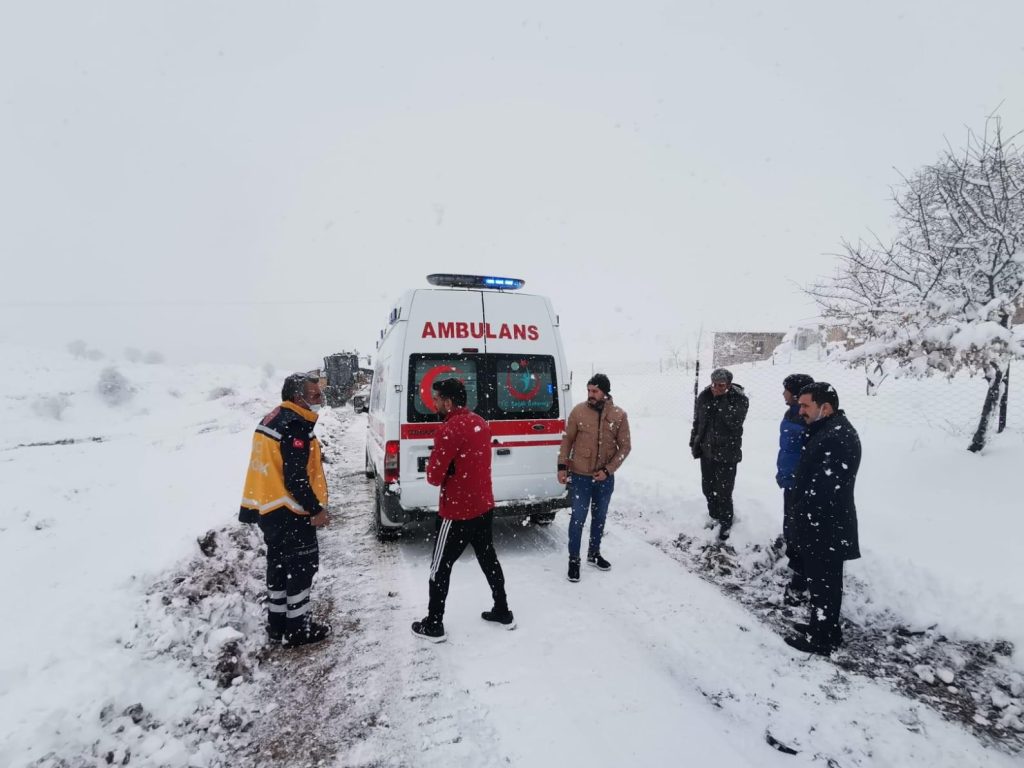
(285, 466)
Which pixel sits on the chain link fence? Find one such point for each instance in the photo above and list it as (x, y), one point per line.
(656, 389)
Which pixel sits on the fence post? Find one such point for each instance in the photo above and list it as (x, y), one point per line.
(1003, 399)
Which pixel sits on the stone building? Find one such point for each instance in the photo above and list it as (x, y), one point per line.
(735, 347)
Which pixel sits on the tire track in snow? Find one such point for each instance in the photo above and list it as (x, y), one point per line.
(372, 695)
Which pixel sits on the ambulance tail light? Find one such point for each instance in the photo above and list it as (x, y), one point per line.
(391, 461)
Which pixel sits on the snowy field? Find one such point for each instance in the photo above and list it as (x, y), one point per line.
(650, 664)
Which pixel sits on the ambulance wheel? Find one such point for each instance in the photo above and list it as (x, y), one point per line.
(384, 532)
(368, 467)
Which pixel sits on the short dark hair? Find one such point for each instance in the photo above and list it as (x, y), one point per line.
(796, 382)
(295, 385)
(600, 381)
(453, 389)
(822, 392)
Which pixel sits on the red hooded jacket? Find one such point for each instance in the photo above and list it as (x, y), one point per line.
(461, 464)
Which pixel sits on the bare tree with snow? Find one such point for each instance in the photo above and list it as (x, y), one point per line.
(941, 297)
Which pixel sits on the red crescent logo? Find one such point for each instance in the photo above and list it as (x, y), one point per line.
(516, 394)
(427, 382)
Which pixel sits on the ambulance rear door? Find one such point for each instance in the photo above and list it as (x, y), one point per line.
(442, 336)
(525, 378)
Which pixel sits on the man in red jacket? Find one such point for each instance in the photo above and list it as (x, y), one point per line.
(461, 464)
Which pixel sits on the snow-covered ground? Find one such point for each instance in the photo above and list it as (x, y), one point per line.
(648, 664)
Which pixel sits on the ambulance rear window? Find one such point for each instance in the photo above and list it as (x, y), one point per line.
(524, 387)
(498, 387)
(424, 370)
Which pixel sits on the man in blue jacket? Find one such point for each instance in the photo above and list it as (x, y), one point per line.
(792, 431)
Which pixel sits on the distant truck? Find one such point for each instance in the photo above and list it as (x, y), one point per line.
(341, 370)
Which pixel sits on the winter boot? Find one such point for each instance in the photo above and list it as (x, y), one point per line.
(574, 569)
(794, 598)
(275, 634)
(724, 531)
(806, 644)
(429, 631)
(834, 639)
(599, 562)
(311, 632)
(501, 616)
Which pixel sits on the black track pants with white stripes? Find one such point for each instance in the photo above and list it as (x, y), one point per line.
(293, 557)
(452, 538)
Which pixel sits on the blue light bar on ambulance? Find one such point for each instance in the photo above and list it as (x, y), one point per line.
(475, 281)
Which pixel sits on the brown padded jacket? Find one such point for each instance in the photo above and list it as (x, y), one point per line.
(595, 439)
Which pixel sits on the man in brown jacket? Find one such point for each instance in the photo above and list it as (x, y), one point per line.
(595, 443)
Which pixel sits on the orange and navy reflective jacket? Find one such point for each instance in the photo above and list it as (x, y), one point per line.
(285, 468)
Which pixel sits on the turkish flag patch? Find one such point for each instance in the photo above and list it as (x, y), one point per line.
(298, 442)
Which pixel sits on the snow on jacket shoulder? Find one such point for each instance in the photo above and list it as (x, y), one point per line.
(461, 464)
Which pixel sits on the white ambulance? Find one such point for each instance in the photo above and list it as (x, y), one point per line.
(506, 348)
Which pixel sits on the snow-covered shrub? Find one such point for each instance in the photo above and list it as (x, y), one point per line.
(114, 388)
(51, 406)
(78, 348)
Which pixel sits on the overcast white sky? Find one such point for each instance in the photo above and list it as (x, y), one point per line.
(257, 181)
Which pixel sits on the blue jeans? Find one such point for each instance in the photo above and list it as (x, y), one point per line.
(593, 496)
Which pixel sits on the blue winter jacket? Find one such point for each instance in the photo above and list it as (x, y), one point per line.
(792, 431)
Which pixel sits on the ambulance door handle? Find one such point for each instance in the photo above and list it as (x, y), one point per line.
(537, 427)
(504, 451)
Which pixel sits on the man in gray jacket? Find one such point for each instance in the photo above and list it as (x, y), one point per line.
(716, 439)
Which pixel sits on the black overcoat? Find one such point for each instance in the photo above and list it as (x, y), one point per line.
(824, 517)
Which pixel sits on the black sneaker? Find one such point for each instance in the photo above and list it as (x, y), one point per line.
(500, 616)
(574, 569)
(599, 562)
(309, 634)
(434, 633)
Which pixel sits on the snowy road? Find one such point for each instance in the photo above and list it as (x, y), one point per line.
(644, 665)
(146, 640)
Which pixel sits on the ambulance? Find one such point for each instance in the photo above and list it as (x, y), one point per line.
(506, 348)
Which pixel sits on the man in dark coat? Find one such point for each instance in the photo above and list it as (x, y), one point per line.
(716, 439)
(792, 431)
(824, 525)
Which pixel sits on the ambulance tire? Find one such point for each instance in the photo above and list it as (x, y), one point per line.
(368, 468)
(384, 532)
